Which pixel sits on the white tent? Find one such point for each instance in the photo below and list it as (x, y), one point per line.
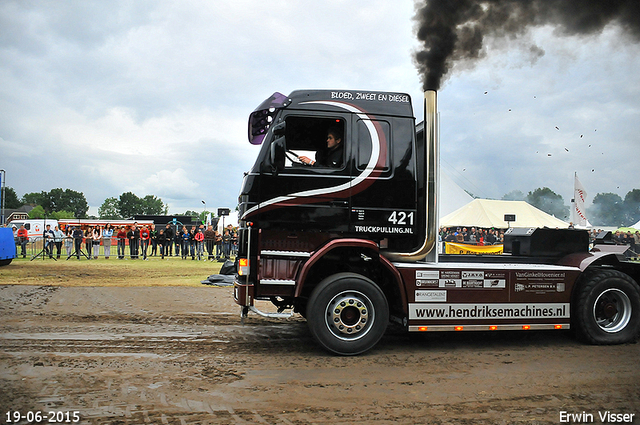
(489, 213)
(637, 225)
(452, 196)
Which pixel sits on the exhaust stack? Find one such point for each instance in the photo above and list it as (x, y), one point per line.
(431, 166)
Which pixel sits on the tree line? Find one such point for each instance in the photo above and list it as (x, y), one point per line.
(129, 204)
(57, 203)
(66, 203)
(607, 209)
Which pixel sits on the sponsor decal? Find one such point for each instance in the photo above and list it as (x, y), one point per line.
(539, 282)
(431, 296)
(449, 274)
(539, 287)
(495, 283)
(461, 279)
(430, 283)
(489, 311)
(427, 274)
(473, 283)
(450, 283)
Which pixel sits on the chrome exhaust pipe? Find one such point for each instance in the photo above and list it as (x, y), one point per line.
(431, 143)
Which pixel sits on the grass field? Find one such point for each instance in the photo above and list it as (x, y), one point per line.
(172, 271)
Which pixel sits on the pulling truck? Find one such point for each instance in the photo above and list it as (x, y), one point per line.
(352, 246)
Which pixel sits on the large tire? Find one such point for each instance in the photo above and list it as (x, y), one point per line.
(608, 308)
(5, 262)
(347, 314)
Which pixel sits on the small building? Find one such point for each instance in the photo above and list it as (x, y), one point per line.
(19, 214)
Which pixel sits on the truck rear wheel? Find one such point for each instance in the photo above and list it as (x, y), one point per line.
(608, 308)
(347, 314)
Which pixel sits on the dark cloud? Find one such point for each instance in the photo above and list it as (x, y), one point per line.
(456, 30)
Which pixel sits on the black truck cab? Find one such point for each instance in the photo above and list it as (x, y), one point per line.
(371, 192)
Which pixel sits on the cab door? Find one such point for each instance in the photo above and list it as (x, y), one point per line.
(296, 196)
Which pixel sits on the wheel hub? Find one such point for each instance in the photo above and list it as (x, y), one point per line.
(612, 310)
(350, 315)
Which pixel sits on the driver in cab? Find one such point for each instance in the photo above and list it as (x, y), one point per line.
(332, 157)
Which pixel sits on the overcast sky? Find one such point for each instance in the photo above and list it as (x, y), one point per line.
(153, 97)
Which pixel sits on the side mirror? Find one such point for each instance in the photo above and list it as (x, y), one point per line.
(279, 129)
(277, 155)
(275, 160)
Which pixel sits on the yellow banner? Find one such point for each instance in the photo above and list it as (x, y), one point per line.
(460, 248)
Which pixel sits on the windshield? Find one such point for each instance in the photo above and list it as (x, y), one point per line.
(261, 118)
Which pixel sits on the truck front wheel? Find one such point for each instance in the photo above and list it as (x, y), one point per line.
(608, 308)
(347, 313)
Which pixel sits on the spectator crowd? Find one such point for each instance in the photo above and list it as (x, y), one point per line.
(203, 243)
(480, 237)
(135, 242)
(472, 235)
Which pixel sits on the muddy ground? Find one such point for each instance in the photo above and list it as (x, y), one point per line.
(179, 355)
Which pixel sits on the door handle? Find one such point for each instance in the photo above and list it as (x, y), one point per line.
(339, 203)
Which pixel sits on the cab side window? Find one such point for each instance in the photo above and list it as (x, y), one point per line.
(315, 142)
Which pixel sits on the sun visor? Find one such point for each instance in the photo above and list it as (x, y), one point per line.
(261, 118)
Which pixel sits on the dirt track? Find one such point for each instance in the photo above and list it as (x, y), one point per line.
(179, 355)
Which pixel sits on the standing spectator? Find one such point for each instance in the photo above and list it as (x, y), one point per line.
(226, 244)
(218, 245)
(154, 240)
(23, 238)
(96, 237)
(192, 242)
(234, 244)
(185, 238)
(168, 236)
(491, 237)
(122, 237)
(199, 238)
(58, 236)
(68, 241)
(145, 235)
(162, 240)
(133, 236)
(77, 241)
(107, 234)
(210, 239)
(88, 237)
(177, 240)
(473, 236)
(48, 241)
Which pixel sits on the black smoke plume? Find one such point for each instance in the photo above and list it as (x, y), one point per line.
(454, 30)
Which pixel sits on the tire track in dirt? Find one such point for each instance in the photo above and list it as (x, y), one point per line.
(180, 356)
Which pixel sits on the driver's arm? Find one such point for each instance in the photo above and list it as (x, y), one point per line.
(306, 160)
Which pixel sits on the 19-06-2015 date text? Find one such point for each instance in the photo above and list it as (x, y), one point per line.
(51, 417)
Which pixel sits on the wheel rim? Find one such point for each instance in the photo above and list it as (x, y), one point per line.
(349, 315)
(612, 310)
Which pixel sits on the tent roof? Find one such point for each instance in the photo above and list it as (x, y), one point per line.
(636, 226)
(452, 196)
(490, 213)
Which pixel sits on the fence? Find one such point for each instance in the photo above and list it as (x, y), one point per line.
(124, 248)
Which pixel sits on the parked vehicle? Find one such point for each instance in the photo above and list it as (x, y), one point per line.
(35, 226)
(7, 246)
